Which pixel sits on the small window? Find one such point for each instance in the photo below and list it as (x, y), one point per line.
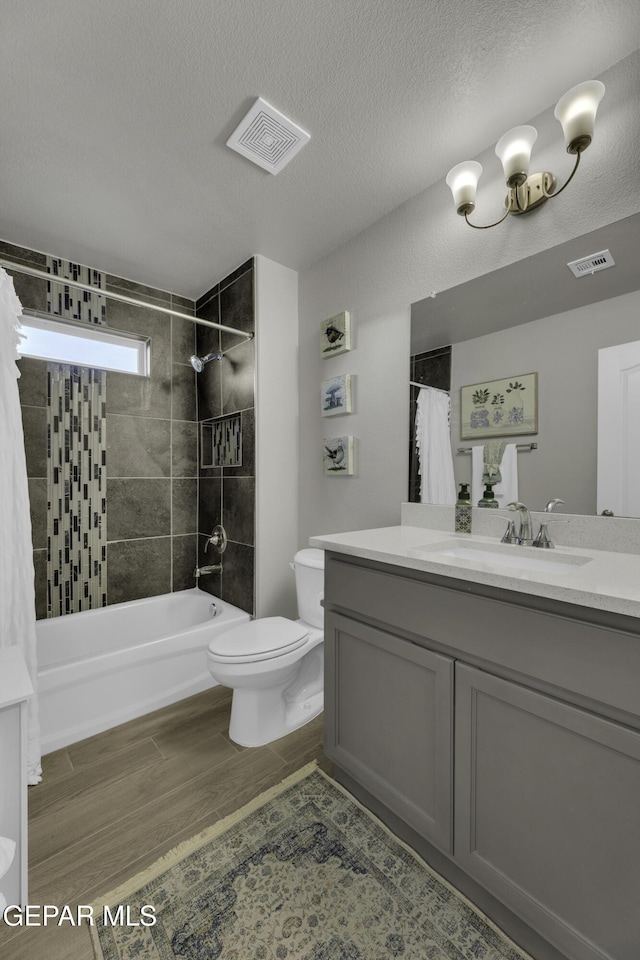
(83, 345)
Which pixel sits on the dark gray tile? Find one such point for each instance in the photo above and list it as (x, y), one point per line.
(183, 340)
(23, 255)
(32, 382)
(203, 301)
(238, 370)
(209, 505)
(132, 289)
(237, 308)
(40, 569)
(238, 508)
(31, 291)
(140, 396)
(141, 320)
(183, 304)
(184, 507)
(184, 449)
(237, 576)
(38, 502)
(138, 508)
(209, 387)
(207, 337)
(138, 447)
(138, 568)
(244, 268)
(34, 425)
(183, 392)
(248, 448)
(185, 558)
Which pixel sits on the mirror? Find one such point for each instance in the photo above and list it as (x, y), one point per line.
(535, 316)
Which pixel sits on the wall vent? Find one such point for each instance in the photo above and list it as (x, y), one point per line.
(588, 265)
(267, 137)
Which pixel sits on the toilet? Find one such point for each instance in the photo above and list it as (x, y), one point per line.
(275, 666)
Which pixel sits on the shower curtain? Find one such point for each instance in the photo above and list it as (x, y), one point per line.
(434, 446)
(17, 594)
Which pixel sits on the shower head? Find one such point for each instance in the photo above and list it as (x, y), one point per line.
(198, 363)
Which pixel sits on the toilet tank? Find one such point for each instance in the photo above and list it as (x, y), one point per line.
(308, 566)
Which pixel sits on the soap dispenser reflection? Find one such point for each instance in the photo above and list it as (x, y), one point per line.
(463, 510)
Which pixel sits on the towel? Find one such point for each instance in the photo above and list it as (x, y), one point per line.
(492, 457)
(507, 490)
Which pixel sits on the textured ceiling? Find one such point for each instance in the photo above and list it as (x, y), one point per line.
(115, 115)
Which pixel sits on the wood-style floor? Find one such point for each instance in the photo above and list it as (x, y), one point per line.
(112, 804)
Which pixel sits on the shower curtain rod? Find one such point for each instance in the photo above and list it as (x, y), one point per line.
(34, 272)
(412, 383)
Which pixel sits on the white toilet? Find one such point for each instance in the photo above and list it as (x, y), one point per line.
(275, 666)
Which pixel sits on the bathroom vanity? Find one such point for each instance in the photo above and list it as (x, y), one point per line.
(488, 708)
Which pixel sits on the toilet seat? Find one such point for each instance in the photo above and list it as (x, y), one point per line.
(262, 639)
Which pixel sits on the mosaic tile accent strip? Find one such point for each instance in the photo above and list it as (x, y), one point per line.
(71, 302)
(227, 442)
(221, 442)
(76, 458)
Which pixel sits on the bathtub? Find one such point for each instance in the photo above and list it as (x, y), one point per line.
(99, 668)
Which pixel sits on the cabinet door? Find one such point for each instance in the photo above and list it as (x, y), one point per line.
(389, 719)
(548, 816)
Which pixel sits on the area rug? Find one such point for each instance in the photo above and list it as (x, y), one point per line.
(304, 872)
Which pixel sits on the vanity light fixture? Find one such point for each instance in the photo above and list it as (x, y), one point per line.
(576, 111)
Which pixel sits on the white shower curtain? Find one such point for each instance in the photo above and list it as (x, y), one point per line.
(433, 443)
(17, 595)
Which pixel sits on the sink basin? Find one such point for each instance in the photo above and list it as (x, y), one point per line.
(501, 557)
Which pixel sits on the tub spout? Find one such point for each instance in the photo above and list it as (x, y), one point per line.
(211, 568)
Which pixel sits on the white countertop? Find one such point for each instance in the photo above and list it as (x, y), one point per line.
(608, 581)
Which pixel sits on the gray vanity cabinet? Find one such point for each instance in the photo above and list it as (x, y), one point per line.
(545, 796)
(392, 722)
(527, 796)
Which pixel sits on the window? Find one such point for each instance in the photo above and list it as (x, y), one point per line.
(83, 345)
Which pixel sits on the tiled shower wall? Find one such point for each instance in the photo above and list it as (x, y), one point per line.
(225, 388)
(151, 446)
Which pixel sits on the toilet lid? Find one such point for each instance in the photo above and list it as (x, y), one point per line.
(258, 640)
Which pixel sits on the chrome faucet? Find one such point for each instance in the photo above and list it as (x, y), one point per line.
(553, 503)
(524, 537)
(211, 568)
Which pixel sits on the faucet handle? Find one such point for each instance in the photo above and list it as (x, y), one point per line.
(510, 535)
(543, 539)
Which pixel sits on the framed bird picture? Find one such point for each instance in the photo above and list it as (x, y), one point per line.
(335, 335)
(337, 456)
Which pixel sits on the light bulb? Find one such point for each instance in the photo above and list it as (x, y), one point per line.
(514, 152)
(463, 181)
(576, 111)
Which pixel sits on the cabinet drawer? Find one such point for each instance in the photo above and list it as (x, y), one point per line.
(388, 716)
(547, 815)
(591, 661)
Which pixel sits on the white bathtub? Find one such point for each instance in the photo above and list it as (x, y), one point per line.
(102, 667)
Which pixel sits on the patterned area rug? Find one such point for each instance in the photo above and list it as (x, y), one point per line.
(302, 873)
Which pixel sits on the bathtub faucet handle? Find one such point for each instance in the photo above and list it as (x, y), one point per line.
(218, 538)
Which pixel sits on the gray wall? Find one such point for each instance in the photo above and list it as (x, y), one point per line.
(422, 247)
(563, 349)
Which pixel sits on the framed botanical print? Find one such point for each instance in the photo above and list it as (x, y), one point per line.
(499, 408)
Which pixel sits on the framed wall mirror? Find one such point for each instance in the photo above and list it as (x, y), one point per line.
(535, 315)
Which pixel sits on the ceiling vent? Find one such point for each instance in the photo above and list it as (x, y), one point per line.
(267, 137)
(588, 265)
